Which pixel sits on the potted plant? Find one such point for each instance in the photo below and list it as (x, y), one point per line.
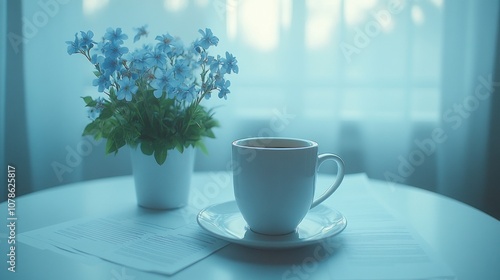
(151, 100)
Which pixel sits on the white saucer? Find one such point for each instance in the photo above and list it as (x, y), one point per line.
(225, 221)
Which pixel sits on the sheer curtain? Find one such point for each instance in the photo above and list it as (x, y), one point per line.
(3, 45)
(371, 80)
(468, 85)
(363, 78)
(493, 176)
(13, 122)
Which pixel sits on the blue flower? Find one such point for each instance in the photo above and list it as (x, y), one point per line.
(223, 88)
(173, 92)
(97, 59)
(228, 64)
(208, 39)
(114, 50)
(102, 83)
(186, 93)
(176, 48)
(141, 31)
(181, 69)
(203, 58)
(165, 42)
(86, 42)
(156, 58)
(115, 36)
(128, 72)
(214, 63)
(137, 60)
(163, 81)
(196, 47)
(73, 46)
(100, 47)
(110, 65)
(95, 112)
(170, 45)
(127, 89)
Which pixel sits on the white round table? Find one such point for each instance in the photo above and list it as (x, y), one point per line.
(467, 240)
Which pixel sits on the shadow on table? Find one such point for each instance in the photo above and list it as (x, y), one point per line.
(288, 262)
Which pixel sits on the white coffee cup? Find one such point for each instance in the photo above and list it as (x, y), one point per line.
(274, 181)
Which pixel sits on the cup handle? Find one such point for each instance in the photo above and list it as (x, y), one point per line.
(340, 176)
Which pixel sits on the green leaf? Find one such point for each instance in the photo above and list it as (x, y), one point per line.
(161, 155)
(119, 138)
(115, 141)
(209, 133)
(106, 113)
(89, 129)
(179, 148)
(202, 147)
(147, 148)
(211, 123)
(88, 100)
(110, 146)
(112, 92)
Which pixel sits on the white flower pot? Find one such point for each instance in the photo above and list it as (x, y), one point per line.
(163, 186)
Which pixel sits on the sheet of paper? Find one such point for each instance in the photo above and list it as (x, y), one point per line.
(138, 243)
(375, 244)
